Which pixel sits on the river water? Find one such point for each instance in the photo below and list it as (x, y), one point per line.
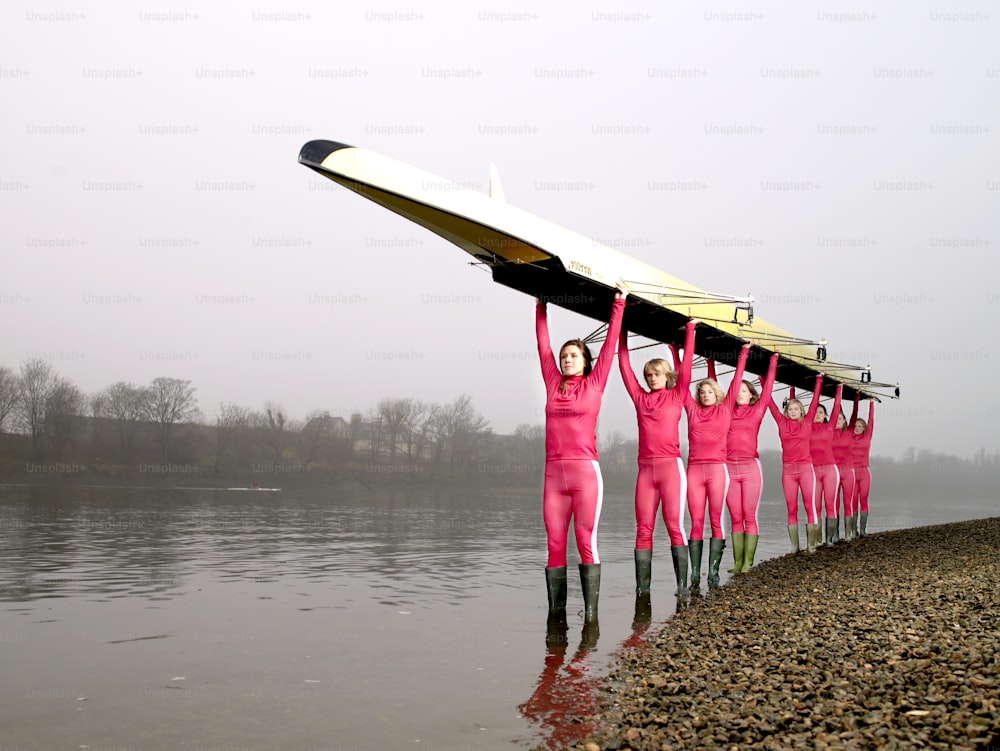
(314, 620)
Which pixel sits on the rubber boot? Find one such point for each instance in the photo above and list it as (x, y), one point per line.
(836, 531)
(793, 538)
(643, 570)
(695, 548)
(850, 527)
(831, 531)
(822, 529)
(813, 536)
(715, 548)
(555, 583)
(556, 631)
(679, 553)
(590, 583)
(864, 524)
(739, 538)
(643, 614)
(749, 549)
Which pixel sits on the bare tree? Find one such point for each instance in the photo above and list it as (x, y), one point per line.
(231, 418)
(276, 427)
(125, 405)
(169, 401)
(34, 386)
(9, 394)
(395, 414)
(64, 409)
(459, 431)
(416, 431)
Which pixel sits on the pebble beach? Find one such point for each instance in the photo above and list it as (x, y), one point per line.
(891, 641)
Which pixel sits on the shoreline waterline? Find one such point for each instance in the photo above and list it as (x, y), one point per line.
(892, 640)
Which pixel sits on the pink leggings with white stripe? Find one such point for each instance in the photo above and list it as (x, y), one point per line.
(573, 488)
(660, 479)
(847, 488)
(827, 484)
(746, 482)
(797, 477)
(864, 480)
(711, 482)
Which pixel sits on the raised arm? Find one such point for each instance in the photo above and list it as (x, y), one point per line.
(675, 355)
(836, 405)
(550, 372)
(871, 416)
(768, 385)
(854, 412)
(683, 384)
(625, 366)
(814, 404)
(603, 365)
(734, 387)
(775, 411)
(710, 363)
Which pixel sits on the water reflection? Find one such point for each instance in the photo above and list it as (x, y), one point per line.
(566, 688)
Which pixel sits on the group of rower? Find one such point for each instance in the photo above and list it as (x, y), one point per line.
(824, 460)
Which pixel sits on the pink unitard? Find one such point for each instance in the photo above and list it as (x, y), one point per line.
(824, 463)
(842, 439)
(746, 480)
(573, 486)
(861, 446)
(707, 476)
(796, 465)
(661, 469)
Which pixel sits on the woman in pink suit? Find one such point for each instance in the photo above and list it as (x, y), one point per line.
(661, 477)
(746, 479)
(573, 486)
(709, 415)
(794, 428)
(825, 465)
(843, 435)
(861, 446)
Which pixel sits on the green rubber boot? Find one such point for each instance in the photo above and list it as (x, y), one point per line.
(749, 550)
(850, 527)
(643, 570)
(555, 583)
(739, 538)
(695, 548)
(590, 583)
(715, 548)
(813, 535)
(864, 524)
(831, 530)
(679, 553)
(793, 538)
(836, 531)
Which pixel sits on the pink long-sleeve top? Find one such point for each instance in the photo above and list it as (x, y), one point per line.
(842, 439)
(821, 440)
(861, 445)
(794, 434)
(709, 426)
(572, 404)
(741, 442)
(658, 412)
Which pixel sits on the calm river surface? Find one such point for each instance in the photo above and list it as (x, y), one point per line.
(347, 620)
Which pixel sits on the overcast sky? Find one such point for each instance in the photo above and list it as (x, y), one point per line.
(837, 160)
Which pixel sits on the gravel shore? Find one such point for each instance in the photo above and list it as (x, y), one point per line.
(890, 641)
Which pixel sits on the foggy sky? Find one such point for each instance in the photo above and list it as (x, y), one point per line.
(839, 162)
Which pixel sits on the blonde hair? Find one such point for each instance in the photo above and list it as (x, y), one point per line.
(660, 365)
(864, 423)
(720, 397)
(802, 409)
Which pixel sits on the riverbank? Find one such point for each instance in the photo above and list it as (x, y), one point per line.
(890, 641)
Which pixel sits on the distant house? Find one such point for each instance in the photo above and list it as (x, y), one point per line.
(335, 427)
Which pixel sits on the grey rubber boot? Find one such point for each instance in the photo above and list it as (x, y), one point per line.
(679, 553)
(695, 548)
(739, 540)
(831, 530)
(749, 550)
(590, 582)
(864, 524)
(836, 531)
(850, 527)
(555, 583)
(813, 536)
(793, 538)
(643, 570)
(715, 548)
